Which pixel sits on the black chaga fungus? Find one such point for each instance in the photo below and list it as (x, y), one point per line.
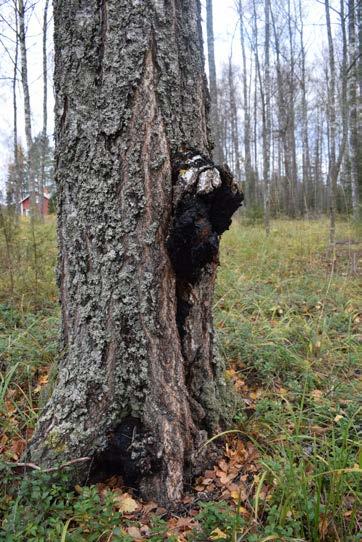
(183, 306)
(125, 455)
(206, 197)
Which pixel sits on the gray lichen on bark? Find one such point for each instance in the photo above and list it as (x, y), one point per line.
(130, 88)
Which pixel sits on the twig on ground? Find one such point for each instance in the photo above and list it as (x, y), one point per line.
(51, 469)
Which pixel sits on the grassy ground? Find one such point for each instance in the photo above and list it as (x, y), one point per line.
(289, 329)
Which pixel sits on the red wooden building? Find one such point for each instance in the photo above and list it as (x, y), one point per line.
(42, 203)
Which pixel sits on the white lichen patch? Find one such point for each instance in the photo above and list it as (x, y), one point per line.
(208, 181)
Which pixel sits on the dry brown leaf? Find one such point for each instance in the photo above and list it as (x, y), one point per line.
(199, 488)
(316, 430)
(135, 533)
(17, 447)
(224, 480)
(147, 508)
(3, 441)
(207, 481)
(223, 465)
(323, 526)
(10, 408)
(125, 504)
(43, 379)
(317, 395)
(185, 524)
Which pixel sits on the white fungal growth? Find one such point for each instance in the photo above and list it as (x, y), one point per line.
(189, 177)
(208, 181)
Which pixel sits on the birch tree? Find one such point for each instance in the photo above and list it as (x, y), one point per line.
(141, 210)
(334, 160)
(250, 188)
(26, 96)
(355, 137)
(45, 100)
(266, 118)
(17, 189)
(214, 111)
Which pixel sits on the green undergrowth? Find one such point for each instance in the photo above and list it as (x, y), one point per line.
(287, 314)
(288, 320)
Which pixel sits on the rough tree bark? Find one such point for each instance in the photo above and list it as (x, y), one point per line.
(140, 214)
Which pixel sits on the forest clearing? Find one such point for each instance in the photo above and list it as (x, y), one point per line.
(180, 270)
(288, 322)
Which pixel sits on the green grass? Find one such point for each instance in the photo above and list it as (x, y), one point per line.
(287, 314)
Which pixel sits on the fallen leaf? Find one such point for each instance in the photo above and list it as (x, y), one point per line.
(317, 395)
(18, 446)
(145, 530)
(147, 508)
(223, 465)
(43, 379)
(125, 504)
(218, 534)
(185, 524)
(238, 495)
(315, 429)
(199, 488)
(135, 533)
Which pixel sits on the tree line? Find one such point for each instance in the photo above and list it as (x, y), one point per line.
(287, 123)
(31, 169)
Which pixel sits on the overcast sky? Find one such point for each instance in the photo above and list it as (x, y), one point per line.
(225, 27)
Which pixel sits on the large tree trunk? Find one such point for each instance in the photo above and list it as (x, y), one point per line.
(139, 386)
